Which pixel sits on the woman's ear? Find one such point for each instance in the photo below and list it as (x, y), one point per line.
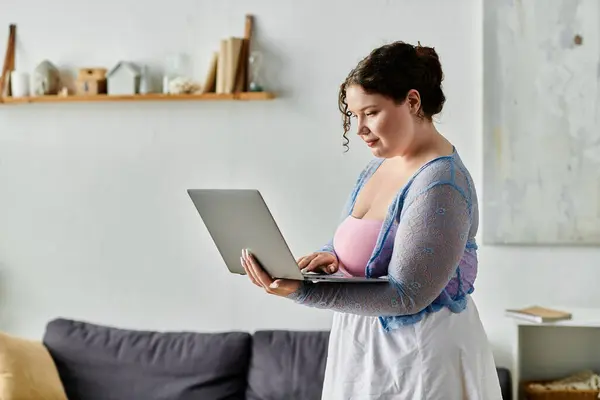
(414, 101)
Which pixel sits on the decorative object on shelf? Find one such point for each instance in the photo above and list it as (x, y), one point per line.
(178, 67)
(124, 79)
(255, 61)
(242, 76)
(145, 81)
(91, 81)
(229, 61)
(19, 84)
(165, 84)
(183, 85)
(64, 92)
(9, 61)
(584, 384)
(210, 82)
(46, 79)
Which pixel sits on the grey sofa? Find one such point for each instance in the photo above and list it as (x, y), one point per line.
(106, 363)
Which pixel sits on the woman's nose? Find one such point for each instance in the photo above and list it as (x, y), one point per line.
(362, 127)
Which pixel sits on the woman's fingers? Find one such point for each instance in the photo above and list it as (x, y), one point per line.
(332, 268)
(249, 272)
(303, 261)
(317, 264)
(259, 274)
(319, 261)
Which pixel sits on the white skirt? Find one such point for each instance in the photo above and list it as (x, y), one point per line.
(445, 356)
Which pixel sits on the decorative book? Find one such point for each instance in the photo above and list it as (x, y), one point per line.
(538, 314)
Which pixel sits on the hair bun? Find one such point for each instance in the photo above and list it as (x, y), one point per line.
(424, 51)
(431, 62)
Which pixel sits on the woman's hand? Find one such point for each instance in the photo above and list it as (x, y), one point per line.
(321, 261)
(258, 276)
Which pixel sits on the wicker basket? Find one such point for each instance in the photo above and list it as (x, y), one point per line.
(534, 393)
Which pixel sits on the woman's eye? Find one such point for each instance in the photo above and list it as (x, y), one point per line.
(370, 114)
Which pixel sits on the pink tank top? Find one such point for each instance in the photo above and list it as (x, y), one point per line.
(353, 242)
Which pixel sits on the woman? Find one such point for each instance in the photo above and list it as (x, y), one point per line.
(412, 217)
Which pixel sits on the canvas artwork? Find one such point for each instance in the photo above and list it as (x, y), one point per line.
(541, 178)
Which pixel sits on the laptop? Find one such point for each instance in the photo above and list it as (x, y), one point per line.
(238, 219)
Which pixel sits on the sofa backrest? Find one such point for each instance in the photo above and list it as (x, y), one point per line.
(100, 362)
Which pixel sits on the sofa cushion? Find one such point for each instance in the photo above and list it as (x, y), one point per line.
(27, 371)
(287, 365)
(105, 363)
(505, 379)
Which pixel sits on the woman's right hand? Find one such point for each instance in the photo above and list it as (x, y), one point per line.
(320, 261)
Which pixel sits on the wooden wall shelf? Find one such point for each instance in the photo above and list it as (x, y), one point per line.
(242, 96)
(240, 88)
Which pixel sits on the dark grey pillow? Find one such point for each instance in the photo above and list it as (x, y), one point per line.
(104, 363)
(287, 365)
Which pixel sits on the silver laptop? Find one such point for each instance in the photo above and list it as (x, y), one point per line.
(239, 219)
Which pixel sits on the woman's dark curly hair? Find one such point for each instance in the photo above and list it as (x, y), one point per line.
(391, 71)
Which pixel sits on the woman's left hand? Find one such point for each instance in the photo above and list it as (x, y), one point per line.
(258, 276)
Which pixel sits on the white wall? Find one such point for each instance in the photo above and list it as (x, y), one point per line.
(94, 219)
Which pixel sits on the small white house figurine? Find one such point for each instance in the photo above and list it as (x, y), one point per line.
(124, 79)
(46, 79)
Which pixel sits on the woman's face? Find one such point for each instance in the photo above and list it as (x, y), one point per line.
(385, 126)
